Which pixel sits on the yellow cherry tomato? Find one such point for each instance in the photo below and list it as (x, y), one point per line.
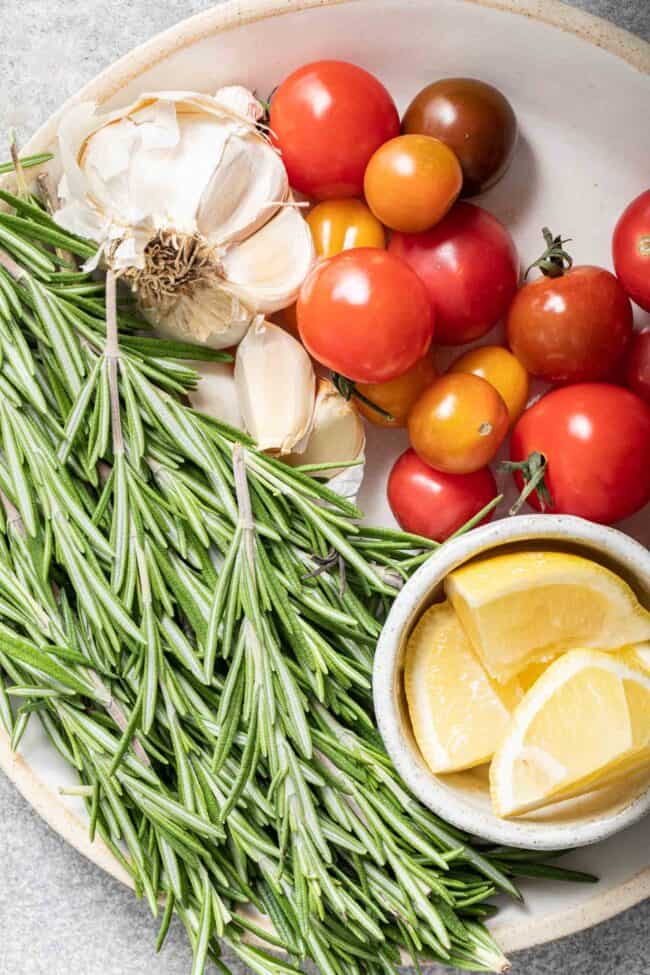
(502, 370)
(458, 424)
(339, 225)
(397, 396)
(411, 182)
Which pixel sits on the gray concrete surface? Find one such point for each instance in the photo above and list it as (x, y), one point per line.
(59, 915)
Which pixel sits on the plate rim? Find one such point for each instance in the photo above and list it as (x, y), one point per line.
(512, 935)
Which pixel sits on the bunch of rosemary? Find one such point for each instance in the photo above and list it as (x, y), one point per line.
(193, 624)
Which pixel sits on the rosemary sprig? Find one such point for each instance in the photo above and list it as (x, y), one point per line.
(193, 623)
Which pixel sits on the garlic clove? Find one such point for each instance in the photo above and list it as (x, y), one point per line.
(216, 392)
(337, 435)
(241, 101)
(276, 387)
(244, 192)
(267, 270)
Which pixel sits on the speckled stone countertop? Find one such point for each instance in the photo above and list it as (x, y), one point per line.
(60, 915)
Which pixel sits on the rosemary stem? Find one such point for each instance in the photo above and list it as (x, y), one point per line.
(112, 353)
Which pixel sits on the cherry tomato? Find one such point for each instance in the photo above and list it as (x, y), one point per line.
(339, 225)
(365, 314)
(573, 324)
(411, 182)
(433, 504)
(638, 365)
(469, 265)
(458, 424)
(595, 439)
(500, 368)
(328, 118)
(631, 250)
(472, 118)
(398, 395)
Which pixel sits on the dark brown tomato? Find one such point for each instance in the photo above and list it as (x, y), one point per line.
(472, 118)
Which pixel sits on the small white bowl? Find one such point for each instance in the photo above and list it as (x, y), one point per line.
(462, 798)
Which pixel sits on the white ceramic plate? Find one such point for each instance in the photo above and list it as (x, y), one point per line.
(581, 89)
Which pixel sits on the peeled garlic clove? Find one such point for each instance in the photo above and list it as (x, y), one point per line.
(337, 433)
(216, 392)
(276, 386)
(267, 270)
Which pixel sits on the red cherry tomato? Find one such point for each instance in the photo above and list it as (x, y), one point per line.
(638, 365)
(365, 314)
(328, 118)
(570, 328)
(469, 265)
(596, 442)
(631, 250)
(433, 504)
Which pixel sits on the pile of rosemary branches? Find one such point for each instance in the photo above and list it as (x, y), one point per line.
(193, 623)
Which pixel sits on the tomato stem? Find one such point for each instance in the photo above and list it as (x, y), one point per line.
(555, 260)
(348, 389)
(533, 471)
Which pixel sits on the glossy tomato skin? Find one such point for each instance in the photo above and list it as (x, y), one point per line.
(328, 118)
(573, 328)
(470, 268)
(458, 424)
(411, 182)
(631, 250)
(397, 396)
(638, 365)
(339, 225)
(596, 440)
(429, 503)
(475, 120)
(366, 315)
(502, 370)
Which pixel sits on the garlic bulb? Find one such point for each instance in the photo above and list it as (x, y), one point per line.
(276, 387)
(191, 205)
(337, 433)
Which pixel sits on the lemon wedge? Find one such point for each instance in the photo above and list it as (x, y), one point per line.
(584, 724)
(458, 715)
(529, 606)
(637, 655)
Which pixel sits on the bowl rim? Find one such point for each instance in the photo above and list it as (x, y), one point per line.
(423, 783)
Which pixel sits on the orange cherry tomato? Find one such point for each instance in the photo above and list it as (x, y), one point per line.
(411, 182)
(502, 370)
(397, 396)
(339, 225)
(458, 424)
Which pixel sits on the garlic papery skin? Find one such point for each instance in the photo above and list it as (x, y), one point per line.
(337, 435)
(276, 386)
(177, 188)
